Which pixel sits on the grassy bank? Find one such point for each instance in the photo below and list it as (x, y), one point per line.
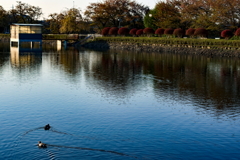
(51, 36)
(187, 42)
(4, 35)
(60, 36)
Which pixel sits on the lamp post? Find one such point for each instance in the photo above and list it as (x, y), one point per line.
(150, 20)
(119, 20)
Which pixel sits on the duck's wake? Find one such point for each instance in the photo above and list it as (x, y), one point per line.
(31, 130)
(49, 128)
(92, 149)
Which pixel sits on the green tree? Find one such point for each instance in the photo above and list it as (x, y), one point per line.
(25, 13)
(71, 22)
(3, 19)
(167, 15)
(149, 20)
(68, 21)
(54, 23)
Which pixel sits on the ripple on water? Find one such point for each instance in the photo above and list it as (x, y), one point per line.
(61, 145)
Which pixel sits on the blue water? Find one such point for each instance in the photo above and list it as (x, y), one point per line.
(118, 105)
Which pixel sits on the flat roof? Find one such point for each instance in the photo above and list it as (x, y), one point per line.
(24, 24)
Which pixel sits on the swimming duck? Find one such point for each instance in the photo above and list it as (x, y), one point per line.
(42, 145)
(47, 127)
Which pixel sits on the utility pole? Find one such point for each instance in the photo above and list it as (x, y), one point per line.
(75, 19)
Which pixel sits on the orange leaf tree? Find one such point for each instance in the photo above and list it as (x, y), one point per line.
(115, 13)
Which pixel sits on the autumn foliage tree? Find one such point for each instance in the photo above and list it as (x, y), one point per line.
(113, 31)
(123, 31)
(148, 31)
(210, 14)
(178, 32)
(139, 32)
(133, 31)
(168, 31)
(201, 32)
(105, 31)
(111, 12)
(227, 33)
(237, 33)
(159, 31)
(190, 32)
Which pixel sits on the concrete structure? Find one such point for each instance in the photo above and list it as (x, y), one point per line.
(29, 33)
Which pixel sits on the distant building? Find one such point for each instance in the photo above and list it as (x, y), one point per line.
(26, 33)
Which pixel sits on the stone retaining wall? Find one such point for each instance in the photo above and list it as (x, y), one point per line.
(4, 39)
(184, 49)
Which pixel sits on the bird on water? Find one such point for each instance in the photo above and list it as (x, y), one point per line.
(47, 127)
(41, 145)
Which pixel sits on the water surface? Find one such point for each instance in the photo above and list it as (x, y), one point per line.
(118, 105)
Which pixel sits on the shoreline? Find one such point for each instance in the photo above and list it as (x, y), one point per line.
(148, 46)
(176, 49)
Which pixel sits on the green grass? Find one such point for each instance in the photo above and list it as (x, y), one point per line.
(60, 36)
(4, 35)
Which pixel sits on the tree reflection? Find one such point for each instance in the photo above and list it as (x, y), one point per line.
(115, 73)
(68, 59)
(4, 56)
(211, 82)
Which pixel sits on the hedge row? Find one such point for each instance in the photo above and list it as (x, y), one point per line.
(191, 32)
(200, 32)
(213, 43)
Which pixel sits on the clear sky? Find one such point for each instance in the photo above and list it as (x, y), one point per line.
(56, 6)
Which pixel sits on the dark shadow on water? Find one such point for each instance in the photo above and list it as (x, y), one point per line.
(52, 129)
(31, 130)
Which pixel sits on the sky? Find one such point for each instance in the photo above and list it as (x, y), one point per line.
(57, 6)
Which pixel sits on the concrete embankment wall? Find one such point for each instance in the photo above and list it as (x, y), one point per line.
(45, 42)
(4, 39)
(179, 49)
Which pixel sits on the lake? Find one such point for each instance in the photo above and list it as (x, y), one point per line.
(118, 105)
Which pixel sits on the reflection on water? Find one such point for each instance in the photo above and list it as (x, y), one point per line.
(25, 59)
(118, 105)
(211, 83)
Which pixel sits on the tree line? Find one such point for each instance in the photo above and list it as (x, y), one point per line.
(213, 15)
(97, 16)
(22, 13)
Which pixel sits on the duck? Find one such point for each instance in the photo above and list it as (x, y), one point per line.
(41, 145)
(47, 127)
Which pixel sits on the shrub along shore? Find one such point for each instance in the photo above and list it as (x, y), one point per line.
(208, 47)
